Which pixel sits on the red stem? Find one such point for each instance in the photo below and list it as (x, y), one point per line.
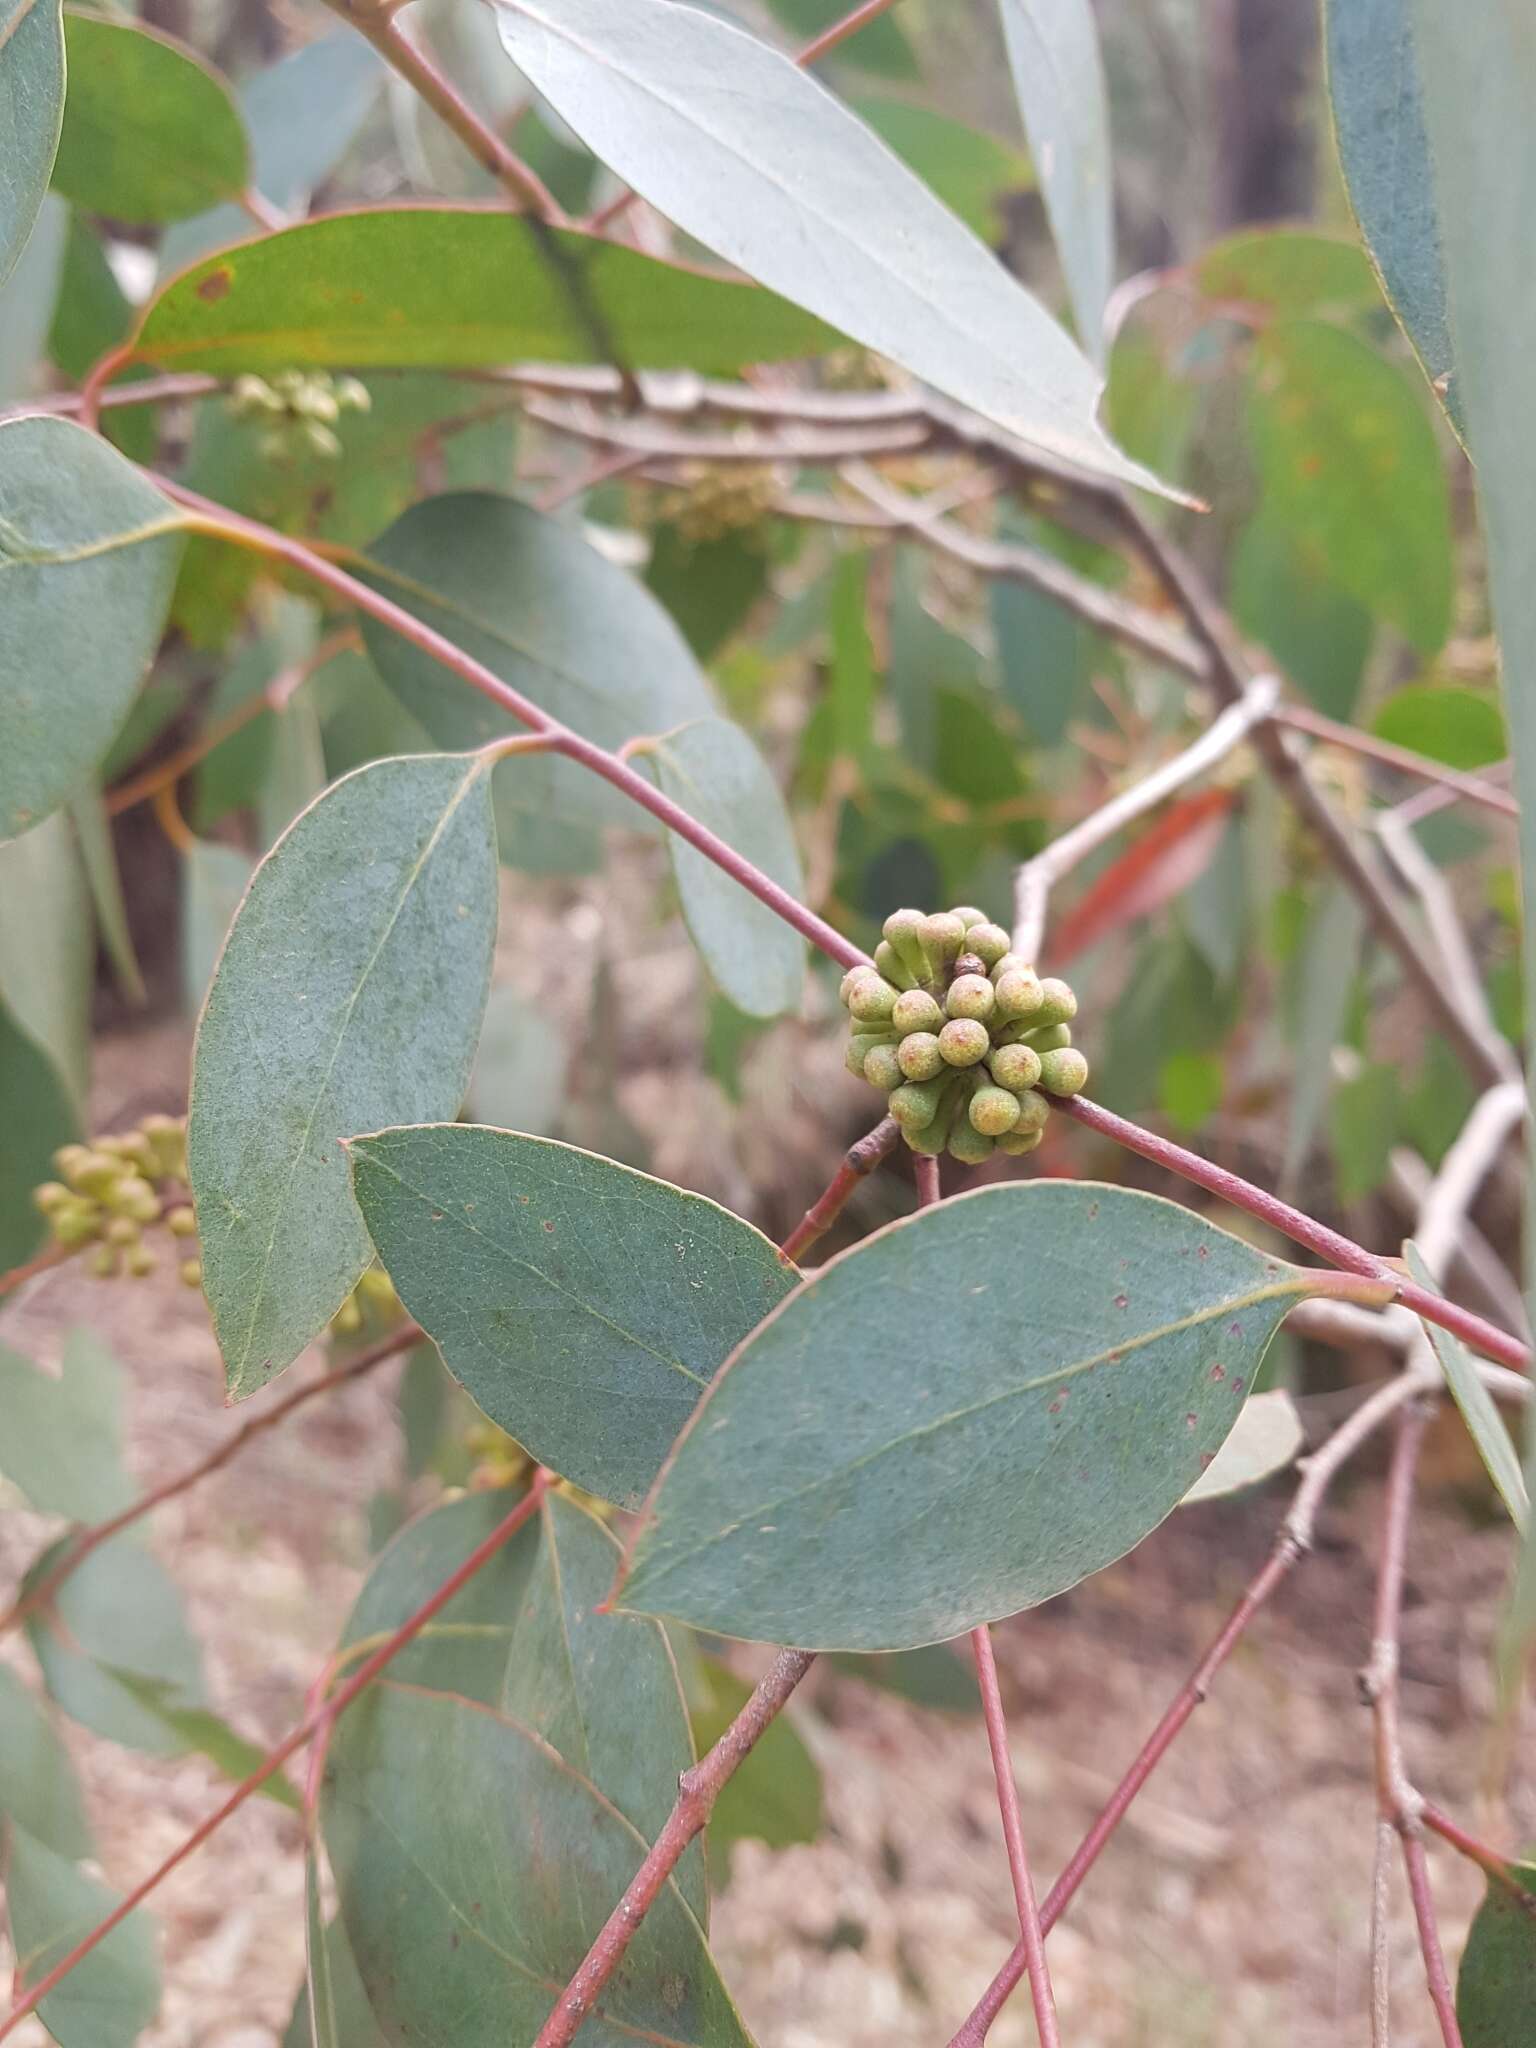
(1339, 1251)
(50, 1256)
(698, 1789)
(320, 1717)
(859, 1161)
(1489, 1861)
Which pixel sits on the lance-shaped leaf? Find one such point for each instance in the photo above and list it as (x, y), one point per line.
(528, 597)
(474, 1866)
(713, 770)
(583, 1305)
(349, 994)
(1496, 1984)
(151, 133)
(31, 109)
(88, 552)
(450, 287)
(110, 1996)
(759, 162)
(1058, 74)
(38, 1787)
(961, 1417)
(1484, 1422)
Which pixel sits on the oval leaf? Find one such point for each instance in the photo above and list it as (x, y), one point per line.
(474, 1867)
(38, 1787)
(349, 993)
(1287, 271)
(452, 287)
(960, 1417)
(1264, 1440)
(713, 770)
(88, 553)
(756, 160)
(113, 1993)
(151, 133)
(63, 1436)
(530, 599)
(31, 110)
(582, 1304)
(1496, 1984)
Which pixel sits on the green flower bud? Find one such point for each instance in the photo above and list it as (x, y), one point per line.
(916, 1103)
(964, 1041)
(928, 1140)
(989, 940)
(348, 1319)
(903, 931)
(1017, 1144)
(1015, 1066)
(167, 1137)
(1034, 1111)
(851, 980)
(971, 995)
(1049, 1037)
(916, 1011)
(121, 1230)
(883, 1068)
(1064, 1071)
(1011, 963)
(968, 1145)
(115, 1146)
(51, 1196)
(376, 1286)
(69, 1158)
(968, 914)
(96, 1174)
(131, 1196)
(77, 1224)
(1018, 995)
(890, 963)
(139, 1262)
(994, 1111)
(861, 1045)
(104, 1263)
(1060, 1004)
(872, 999)
(180, 1221)
(942, 934)
(190, 1272)
(919, 1056)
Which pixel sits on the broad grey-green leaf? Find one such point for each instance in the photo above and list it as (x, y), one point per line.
(583, 1305)
(63, 1438)
(1484, 1422)
(519, 1078)
(348, 995)
(713, 770)
(38, 1787)
(88, 551)
(31, 110)
(1058, 75)
(1265, 1439)
(962, 1416)
(109, 1997)
(1378, 119)
(28, 298)
(528, 597)
(474, 1866)
(760, 163)
(1496, 1984)
(1283, 594)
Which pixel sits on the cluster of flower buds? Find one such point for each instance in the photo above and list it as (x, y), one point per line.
(371, 1307)
(716, 499)
(962, 1035)
(300, 407)
(113, 1189)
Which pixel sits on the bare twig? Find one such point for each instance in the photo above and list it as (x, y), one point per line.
(43, 1262)
(1301, 718)
(1467, 1163)
(1381, 1930)
(1031, 1936)
(859, 1161)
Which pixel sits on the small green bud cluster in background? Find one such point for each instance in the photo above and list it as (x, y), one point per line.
(369, 1309)
(112, 1190)
(961, 1034)
(713, 500)
(301, 408)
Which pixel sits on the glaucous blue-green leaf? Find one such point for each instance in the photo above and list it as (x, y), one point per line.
(1284, 595)
(1484, 1423)
(775, 1795)
(332, 2009)
(88, 551)
(520, 1068)
(119, 1611)
(474, 1866)
(348, 995)
(31, 109)
(1375, 88)
(1288, 271)
(113, 1993)
(1496, 1983)
(528, 597)
(713, 770)
(213, 880)
(63, 1440)
(583, 1305)
(1058, 75)
(962, 1416)
(38, 1787)
(1348, 461)
(27, 301)
(452, 287)
(756, 160)
(151, 133)
(1265, 1439)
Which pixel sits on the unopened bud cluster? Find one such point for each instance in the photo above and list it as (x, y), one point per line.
(965, 1039)
(301, 408)
(112, 1190)
(371, 1306)
(714, 500)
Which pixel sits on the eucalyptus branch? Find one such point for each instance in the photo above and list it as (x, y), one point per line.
(859, 1161)
(1475, 788)
(1031, 1934)
(44, 1262)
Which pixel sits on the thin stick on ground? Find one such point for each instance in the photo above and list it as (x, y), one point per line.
(859, 1161)
(318, 1717)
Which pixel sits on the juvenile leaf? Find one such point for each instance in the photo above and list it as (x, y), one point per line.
(109, 1997)
(775, 1796)
(713, 770)
(474, 1867)
(1464, 728)
(962, 1416)
(88, 554)
(1484, 1423)
(1288, 271)
(349, 993)
(31, 109)
(1264, 1440)
(450, 288)
(529, 598)
(1058, 74)
(1496, 1984)
(1348, 461)
(38, 1787)
(583, 1305)
(150, 131)
(63, 1439)
(756, 160)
